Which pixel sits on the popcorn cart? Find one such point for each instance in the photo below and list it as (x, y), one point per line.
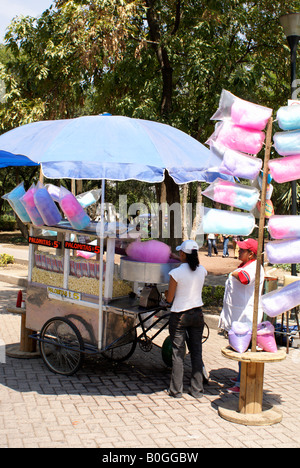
(80, 306)
(76, 308)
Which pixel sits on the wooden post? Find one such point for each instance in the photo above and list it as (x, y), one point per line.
(261, 231)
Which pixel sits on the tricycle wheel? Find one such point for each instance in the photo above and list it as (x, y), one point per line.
(205, 334)
(61, 346)
(121, 351)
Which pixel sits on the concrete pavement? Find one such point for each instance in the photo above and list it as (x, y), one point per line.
(125, 406)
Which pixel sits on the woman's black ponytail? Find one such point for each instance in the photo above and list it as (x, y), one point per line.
(193, 260)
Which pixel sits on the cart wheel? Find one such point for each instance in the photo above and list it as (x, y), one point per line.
(121, 351)
(61, 346)
(205, 334)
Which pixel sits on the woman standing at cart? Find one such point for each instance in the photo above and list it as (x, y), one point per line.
(186, 320)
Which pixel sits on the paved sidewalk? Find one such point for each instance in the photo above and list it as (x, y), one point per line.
(125, 405)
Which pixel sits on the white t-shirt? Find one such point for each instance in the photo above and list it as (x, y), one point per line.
(189, 287)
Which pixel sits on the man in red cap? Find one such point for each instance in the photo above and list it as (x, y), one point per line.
(238, 302)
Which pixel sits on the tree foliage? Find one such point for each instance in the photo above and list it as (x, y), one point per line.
(165, 60)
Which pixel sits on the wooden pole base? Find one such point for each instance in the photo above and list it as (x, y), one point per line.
(267, 417)
(14, 351)
(26, 349)
(250, 410)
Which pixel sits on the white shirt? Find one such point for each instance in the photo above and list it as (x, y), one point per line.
(238, 302)
(189, 287)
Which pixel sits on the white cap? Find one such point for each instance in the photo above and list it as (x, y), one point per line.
(188, 246)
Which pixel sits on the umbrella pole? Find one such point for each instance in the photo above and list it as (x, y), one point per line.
(100, 318)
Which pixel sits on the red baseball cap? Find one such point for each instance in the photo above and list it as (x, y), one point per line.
(249, 244)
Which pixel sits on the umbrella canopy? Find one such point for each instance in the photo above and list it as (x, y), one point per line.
(8, 159)
(110, 147)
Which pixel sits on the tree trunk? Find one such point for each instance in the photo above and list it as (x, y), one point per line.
(162, 56)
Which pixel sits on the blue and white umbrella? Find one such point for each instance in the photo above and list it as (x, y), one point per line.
(109, 147)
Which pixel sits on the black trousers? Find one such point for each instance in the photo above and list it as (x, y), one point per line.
(186, 327)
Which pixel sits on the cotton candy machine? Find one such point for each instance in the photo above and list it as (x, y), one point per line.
(150, 274)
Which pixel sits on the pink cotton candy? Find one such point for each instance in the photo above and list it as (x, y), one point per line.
(284, 226)
(266, 338)
(285, 169)
(243, 113)
(230, 193)
(247, 114)
(238, 138)
(28, 202)
(152, 251)
(73, 210)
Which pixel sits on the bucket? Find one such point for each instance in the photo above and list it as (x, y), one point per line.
(270, 284)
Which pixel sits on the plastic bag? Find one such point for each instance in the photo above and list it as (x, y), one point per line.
(151, 251)
(236, 163)
(73, 210)
(284, 226)
(237, 138)
(14, 199)
(239, 336)
(88, 198)
(229, 193)
(289, 117)
(285, 169)
(283, 251)
(227, 222)
(287, 143)
(46, 206)
(53, 191)
(28, 202)
(243, 113)
(266, 338)
(281, 300)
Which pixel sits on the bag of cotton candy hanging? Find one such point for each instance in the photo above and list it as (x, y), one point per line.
(151, 251)
(266, 338)
(240, 336)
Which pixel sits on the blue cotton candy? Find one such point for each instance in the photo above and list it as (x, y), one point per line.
(287, 143)
(289, 117)
(14, 199)
(227, 222)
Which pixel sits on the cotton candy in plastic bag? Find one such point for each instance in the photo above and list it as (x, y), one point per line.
(266, 338)
(281, 300)
(284, 226)
(285, 169)
(227, 222)
(236, 163)
(14, 199)
(73, 210)
(237, 138)
(54, 191)
(28, 202)
(229, 193)
(283, 251)
(239, 336)
(151, 251)
(288, 117)
(46, 206)
(243, 113)
(287, 143)
(88, 198)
